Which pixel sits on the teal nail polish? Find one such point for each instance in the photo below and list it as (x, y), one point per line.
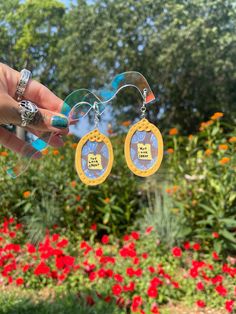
(65, 109)
(59, 122)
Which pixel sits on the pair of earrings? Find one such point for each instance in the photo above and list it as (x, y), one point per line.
(143, 151)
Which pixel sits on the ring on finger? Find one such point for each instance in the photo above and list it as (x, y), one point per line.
(28, 112)
(25, 76)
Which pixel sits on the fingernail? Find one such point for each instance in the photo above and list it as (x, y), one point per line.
(65, 109)
(59, 122)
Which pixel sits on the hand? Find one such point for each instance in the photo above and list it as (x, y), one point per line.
(49, 106)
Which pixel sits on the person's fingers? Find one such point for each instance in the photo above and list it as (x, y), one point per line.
(10, 141)
(55, 140)
(34, 91)
(42, 96)
(44, 120)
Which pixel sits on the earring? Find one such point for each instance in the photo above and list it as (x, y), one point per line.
(144, 146)
(94, 155)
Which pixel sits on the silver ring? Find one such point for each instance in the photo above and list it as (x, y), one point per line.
(25, 76)
(28, 111)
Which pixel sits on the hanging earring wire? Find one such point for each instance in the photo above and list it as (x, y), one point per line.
(143, 107)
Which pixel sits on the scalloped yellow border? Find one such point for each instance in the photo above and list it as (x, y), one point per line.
(94, 136)
(144, 125)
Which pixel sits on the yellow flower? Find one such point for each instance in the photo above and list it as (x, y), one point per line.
(223, 147)
(232, 139)
(26, 194)
(173, 131)
(217, 115)
(224, 160)
(170, 150)
(208, 152)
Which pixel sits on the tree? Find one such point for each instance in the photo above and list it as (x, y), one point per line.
(185, 49)
(29, 35)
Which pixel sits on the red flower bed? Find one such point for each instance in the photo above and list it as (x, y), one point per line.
(136, 273)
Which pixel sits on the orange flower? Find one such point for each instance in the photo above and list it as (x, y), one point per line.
(224, 160)
(126, 123)
(204, 125)
(190, 137)
(74, 145)
(173, 131)
(208, 152)
(73, 184)
(107, 200)
(217, 115)
(78, 198)
(170, 150)
(45, 151)
(110, 131)
(172, 190)
(223, 147)
(232, 139)
(26, 194)
(4, 154)
(55, 152)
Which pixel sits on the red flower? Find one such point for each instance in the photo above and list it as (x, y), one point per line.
(156, 282)
(136, 303)
(130, 272)
(105, 239)
(118, 278)
(193, 272)
(62, 243)
(148, 229)
(99, 252)
(90, 300)
(116, 289)
(154, 308)
(215, 235)
(176, 251)
(175, 284)
(25, 268)
(187, 245)
(107, 299)
(215, 256)
(93, 227)
(126, 238)
(152, 292)
(196, 247)
(19, 281)
(41, 269)
(201, 303)
(55, 237)
(92, 276)
(101, 273)
(229, 305)
(12, 234)
(151, 269)
(130, 287)
(145, 255)
(200, 286)
(221, 290)
(135, 235)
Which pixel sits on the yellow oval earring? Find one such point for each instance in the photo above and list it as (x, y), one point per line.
(94, 157)
(144, 147)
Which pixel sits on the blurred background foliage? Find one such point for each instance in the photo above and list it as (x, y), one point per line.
(187, 52)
